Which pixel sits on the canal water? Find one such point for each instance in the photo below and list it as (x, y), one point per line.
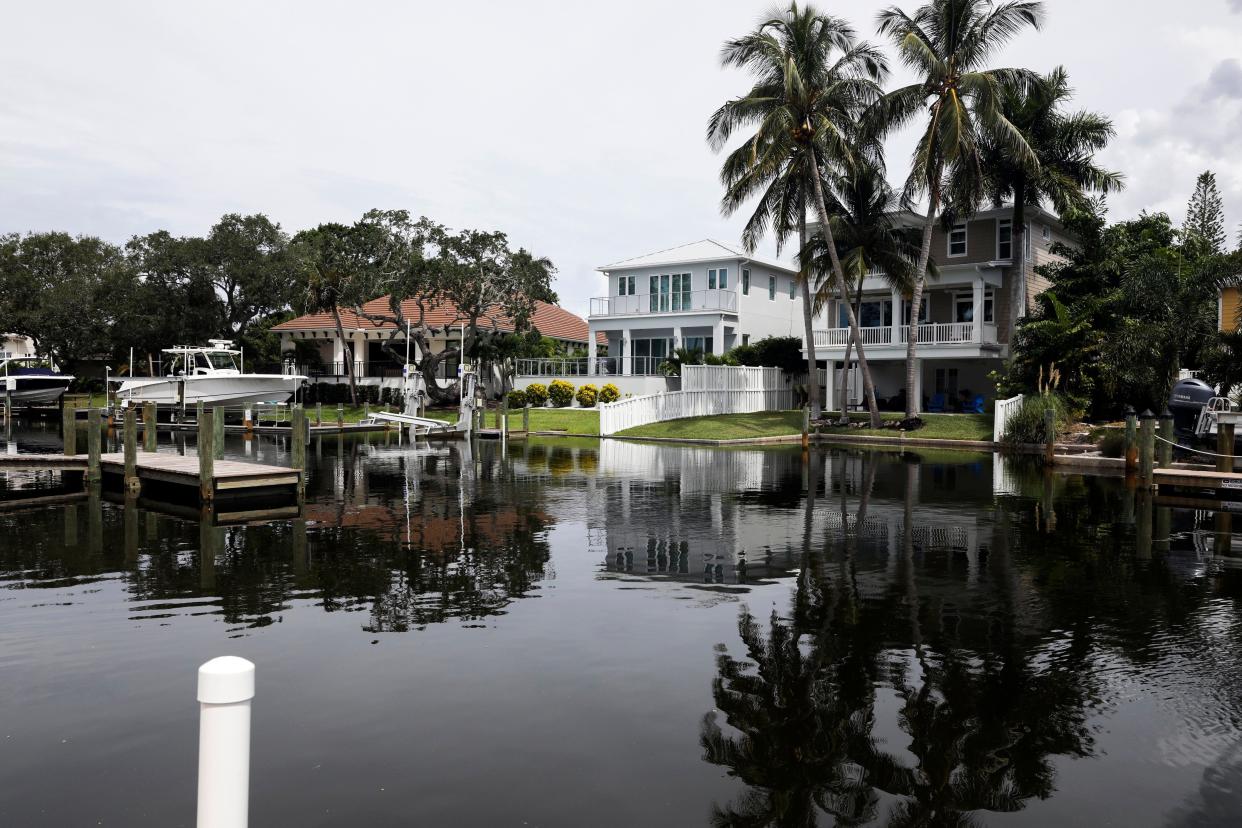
(566, 633)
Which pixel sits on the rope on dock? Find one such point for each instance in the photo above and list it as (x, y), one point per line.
(1195, 450)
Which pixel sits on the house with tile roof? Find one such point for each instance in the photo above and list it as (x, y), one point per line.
(316, 334)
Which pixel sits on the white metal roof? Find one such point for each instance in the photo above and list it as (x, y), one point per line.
(706, 250)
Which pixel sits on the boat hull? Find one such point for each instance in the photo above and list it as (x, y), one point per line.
(35, 389)
(224, 391)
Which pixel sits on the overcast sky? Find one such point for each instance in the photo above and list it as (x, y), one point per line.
(577, 128)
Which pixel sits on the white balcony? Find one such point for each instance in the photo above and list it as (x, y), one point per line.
(929, 334)
(638, 304)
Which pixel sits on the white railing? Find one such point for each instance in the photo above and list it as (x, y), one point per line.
(679, 302)
(930, 333)
(1000, 418)
(706, 390)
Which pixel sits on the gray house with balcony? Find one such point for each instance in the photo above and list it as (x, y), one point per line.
(705, 295)
(966, 316)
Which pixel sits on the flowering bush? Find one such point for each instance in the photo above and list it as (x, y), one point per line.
(537, 394)
(609, 393)
(517, 398)
(561, 393)
(587, 394)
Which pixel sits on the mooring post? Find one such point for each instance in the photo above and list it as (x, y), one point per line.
(149, 433)
(1050, 435)
(1147, 445)
(206, 457)
(1131, 440)
(340, 415)
(217, 433)
(806, 428)
(129, 438)
(1224, 447)
(504, 419)
(94, 448)
(526, 419)
(198, 411)
(69, 425)
(225, 688)
(318, 413)
(8, 409)
(248, 420)
(1164, 448)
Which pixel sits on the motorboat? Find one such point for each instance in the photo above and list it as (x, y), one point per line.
(210, 375)
(31, 381)
(1197, 408)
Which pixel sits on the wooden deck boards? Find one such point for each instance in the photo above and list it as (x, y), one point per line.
(1198, 479)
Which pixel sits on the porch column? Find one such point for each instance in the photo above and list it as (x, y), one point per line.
(627, 355)
(918, 386)
(360, 353)
(718, 336)
(894, 334)
(678, 342)
(590, 350)
(338, 353)
(976, 335)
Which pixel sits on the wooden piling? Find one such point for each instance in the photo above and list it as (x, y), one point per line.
(1147, 445)
(806, 428)
(206, 457)
(1164, 447)
(149, 433)
(1224, 447)
(69, 427)
(526, 419)
(297, 439)
(130, 445)
(198, 411)
(340, 415)
(318, 413)
(1131, 441)
(248, 420)
(217, 433)
(94, 447)
(1050, 434)
(8, 410)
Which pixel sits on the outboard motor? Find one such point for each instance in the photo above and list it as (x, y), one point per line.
(1187, 401)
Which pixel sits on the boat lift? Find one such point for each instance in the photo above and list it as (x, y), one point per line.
(426, 425)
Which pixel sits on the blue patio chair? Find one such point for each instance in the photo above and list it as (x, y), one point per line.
(936, 406)
(976, 405)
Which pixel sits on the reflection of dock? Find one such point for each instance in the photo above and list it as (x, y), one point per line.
(224, 514)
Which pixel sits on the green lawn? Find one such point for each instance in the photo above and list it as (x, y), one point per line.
(572, 420)
(935, 427)
(723, 426)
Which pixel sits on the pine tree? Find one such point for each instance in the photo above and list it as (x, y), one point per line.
(1205, 214)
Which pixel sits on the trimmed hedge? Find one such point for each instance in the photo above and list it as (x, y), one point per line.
(609, 393)
(537, 394)
(517, 398)
(587, 395)
(561, 393)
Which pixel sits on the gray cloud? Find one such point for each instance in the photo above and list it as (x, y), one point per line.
(1235, 5)
(1225, 81)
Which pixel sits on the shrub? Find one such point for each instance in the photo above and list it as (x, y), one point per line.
(517, 398)
(587, 395)
(561, 393)
(609, 393)
(1111, 442)
(1027, 423)
(537, 394)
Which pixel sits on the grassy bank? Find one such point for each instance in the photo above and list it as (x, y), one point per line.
(935, 427)
(723, 426)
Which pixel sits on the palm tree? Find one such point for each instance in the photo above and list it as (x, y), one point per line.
(813, 82)
(1064, 144)
(947, 42)
(868, 240)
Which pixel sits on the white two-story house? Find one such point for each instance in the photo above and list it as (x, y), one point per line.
(967, 313)
(704, 295)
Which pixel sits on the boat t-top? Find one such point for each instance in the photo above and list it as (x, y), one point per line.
(207, 374)
(31, 381)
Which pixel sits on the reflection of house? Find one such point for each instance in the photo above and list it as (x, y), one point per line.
(967, 312)
(373, 365)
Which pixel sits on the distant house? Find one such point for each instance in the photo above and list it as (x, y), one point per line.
(966, 317)
(16, 346)
(373, 365)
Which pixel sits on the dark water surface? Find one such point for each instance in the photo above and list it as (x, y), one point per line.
(581, 633)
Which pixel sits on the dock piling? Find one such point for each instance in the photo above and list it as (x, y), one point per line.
(1224, 447)
(248, 420)
(94, 448)
(225, 689)
(504, 419)
(340, 415)
(318, 413)
(129, 440)
(1050, 435)
(526, 419)
(217, 433)
(1131, 440)
(1164, 449)
(1147, 445)
(150, 433)
(206, 457)
(69, 426)
(806, 428)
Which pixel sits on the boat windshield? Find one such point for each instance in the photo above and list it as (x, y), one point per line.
(221, 360)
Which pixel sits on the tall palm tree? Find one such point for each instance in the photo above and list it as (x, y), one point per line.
(813, 81)
(863, 208)
(947, 43)
(1064, 143)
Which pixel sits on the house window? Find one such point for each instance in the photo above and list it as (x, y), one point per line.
(625, 286)
(745, 337)
(681, 291)
(718, 278)
(1026, 239)
(872, 313)
(1047, 233)
(793, 287)
(924, 310)
(1004, 239)
(989, 305)
(772, 287)
(964, 306)
(746, 282)
(946, 382)
(702, 344)
(957, 240)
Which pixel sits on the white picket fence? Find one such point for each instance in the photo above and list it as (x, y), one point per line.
(1000, 418)
(706, 390)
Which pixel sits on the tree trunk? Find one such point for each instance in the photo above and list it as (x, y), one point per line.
(821, 207)
(913, 402)
(348, 353)
(849, 342)
(1017, 300)
(812, 364)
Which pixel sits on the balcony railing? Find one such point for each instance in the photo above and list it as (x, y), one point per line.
(930, 333)
(681, 302)
(604, 367)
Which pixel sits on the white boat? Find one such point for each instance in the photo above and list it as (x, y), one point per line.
(31, 381)
(209, 375)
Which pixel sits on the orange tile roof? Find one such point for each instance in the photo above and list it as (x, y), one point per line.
(551, 320)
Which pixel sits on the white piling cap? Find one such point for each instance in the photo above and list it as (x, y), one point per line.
(226, 680)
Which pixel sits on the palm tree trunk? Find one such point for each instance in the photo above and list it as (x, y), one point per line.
(348, 353)
(821, 208)
(914, 402)
(812, 364)
(1017, 301)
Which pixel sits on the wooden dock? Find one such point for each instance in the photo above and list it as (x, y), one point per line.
(1227, 484)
